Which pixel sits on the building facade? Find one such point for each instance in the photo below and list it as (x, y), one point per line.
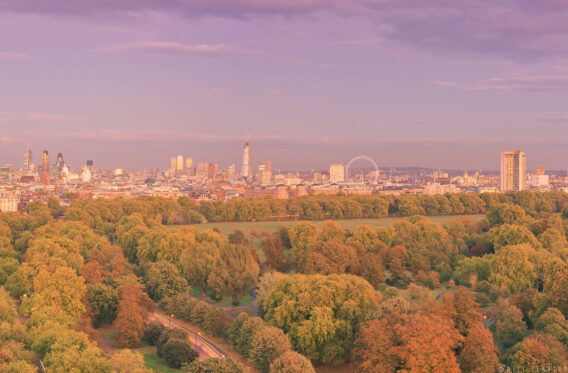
(513, 170)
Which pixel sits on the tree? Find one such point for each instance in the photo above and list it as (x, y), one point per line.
(216, 365)
(460, 307)
(245, 335)
(177, 352)
(166, 335)
(406, 342)
(301, 235)
(152, 332)
(197, 262)
(268, 344)
(164, 280)
(128, 361)
(512, 267)
(325, 258)
(479, 354)
(539, 350)
(274, 252)
(507, 234)
(553, 322)
(234, 272)
(61, 288)
(92, 272)
(291, 362)
(103, 299)
(509, 326)
(320, 314)
(129, 326)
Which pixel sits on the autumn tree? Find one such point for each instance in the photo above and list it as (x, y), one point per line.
(268, 344)
(291, 362)
(538, 350)
(479, 354)
(553, 322)
(128, 361)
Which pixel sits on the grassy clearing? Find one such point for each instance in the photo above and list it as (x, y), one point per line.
(351, 224)
(152, 360)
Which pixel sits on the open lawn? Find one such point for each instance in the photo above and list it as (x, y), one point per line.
(351, 224)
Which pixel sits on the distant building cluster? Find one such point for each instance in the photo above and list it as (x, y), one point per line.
(204, 181)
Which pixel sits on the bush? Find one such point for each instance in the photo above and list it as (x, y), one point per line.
(215, 365)
(152, 332)
(177, 352)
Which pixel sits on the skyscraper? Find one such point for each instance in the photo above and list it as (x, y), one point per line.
(336, 172)
(28, 161)
(246, 170)
(513, 170)
(44, 175)
(179, 164)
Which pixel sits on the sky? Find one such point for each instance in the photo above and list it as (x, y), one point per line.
(439, 83)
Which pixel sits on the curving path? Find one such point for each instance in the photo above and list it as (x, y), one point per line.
(205, 347)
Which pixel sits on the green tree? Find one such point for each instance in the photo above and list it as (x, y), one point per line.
(320, 314)
(103, 300)
(197, 262)
(164, 280)
(177, 352)
(234, 272)
(215, 365)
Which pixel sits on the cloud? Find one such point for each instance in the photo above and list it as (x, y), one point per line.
(514, 29)
(274, 92)
(523, 83)
(15, 117)
(194, 8)
(175, 48)
(5, 139)
(442, 83)
(210, 94)
(5, 56)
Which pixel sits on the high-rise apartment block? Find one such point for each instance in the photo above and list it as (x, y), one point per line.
(513, 170)
(336, 173)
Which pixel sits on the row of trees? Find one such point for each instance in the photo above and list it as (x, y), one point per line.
(101, 215)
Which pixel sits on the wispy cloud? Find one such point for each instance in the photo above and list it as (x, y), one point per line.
(523, 83)
(15, 117)
(274, 92)
(6, 56)
(443, 83)
(175, 48)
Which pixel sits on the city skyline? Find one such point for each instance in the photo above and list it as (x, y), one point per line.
(404, 82)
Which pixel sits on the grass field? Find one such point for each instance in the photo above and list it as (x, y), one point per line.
(351, 224)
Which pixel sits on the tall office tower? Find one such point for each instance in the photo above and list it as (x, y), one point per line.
(173, 161)
(59, 163)
(179, 164)
(202, 169)
(28, 161)
(188, 164)
(513, 170)
(44, 175)
(539, 170)
(89, 164)
(246, 171)
(336, 172)
(212, 170)
(231, 172)
(264, 175)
